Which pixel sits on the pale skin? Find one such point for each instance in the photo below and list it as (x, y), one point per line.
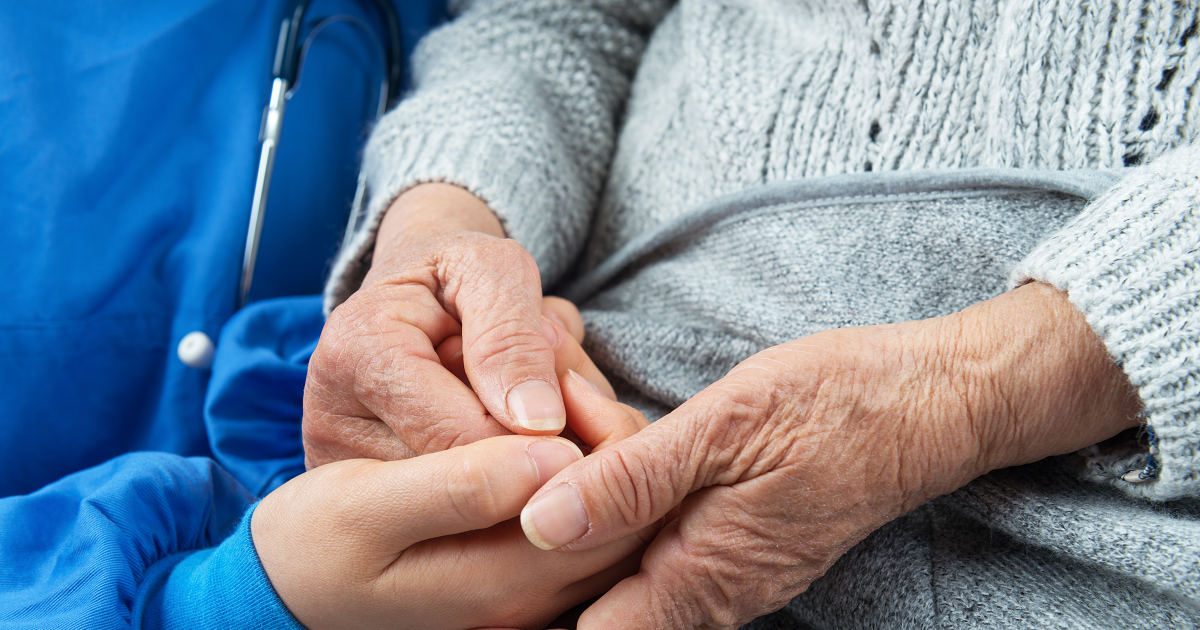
(778, 468)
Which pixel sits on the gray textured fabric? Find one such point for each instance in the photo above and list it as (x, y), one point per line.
(1027, 547)
(769, 265)
(912, 185)
(593, 127)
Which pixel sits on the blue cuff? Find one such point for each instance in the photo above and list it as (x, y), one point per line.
(223, 587)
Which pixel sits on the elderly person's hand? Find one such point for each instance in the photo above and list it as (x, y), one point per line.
(446, 342)
(805, 448)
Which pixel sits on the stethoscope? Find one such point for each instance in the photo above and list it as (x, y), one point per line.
(289, 57)
(196, 349)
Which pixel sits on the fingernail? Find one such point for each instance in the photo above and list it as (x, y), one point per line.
(551, 456)
(584, 381)
(555, 519)
(553, 316)
(549, 332)
(536, 406)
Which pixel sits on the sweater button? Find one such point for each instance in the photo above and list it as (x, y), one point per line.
(196, 350)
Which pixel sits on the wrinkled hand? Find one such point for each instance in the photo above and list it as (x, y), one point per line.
(432, 542)
(446, 342)
(805, 448)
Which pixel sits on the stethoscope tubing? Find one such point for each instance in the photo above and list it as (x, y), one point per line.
(285, 80)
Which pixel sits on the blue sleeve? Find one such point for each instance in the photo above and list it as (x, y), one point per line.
(148, 540)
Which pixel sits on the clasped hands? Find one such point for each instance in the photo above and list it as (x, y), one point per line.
(762, 480)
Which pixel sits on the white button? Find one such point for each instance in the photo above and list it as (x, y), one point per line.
(196, 350)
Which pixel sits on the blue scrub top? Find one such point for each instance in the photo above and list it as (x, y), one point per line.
(127, 163)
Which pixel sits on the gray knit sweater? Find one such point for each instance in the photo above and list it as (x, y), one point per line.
(917, 157)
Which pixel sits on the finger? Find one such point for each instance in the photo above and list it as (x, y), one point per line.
(715, 438)
(652, 598)
(496, 292)
(409, 405)
(518, 572)
(565, 314)
(467, 488)
(376, 387)
(451, 355)
(616, 491)
(570, 356)
(598, 421)
(601, 582)
(635, 602)
(641, 602)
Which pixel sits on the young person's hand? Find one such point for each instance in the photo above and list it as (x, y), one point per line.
(428, 542)
(433, 541)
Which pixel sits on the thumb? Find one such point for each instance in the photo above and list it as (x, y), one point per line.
(615, 492)
(507, 351)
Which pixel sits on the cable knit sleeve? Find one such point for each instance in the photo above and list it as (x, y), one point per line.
(517, 102)
(1131, 263)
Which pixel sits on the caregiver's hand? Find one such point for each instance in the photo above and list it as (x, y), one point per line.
(431, 542)
(805, 448)
(443, 279)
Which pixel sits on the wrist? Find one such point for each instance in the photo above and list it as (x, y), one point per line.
(428, 209)
(1041, 381)
(222, 587)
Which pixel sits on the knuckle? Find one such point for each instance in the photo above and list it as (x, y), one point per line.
(728, 588)
(347, 342)
(482, 273)
(736, 431)
(512, 255)
(627, 485)
(505, 261)
(393, 378)
(329, 437)
(510, 344)
(445, 433)
(338, 331)
(346, 321)
(471, 491)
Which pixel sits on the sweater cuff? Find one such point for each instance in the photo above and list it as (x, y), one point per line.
(504, 153)
(1130, 262)
(223, 587)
